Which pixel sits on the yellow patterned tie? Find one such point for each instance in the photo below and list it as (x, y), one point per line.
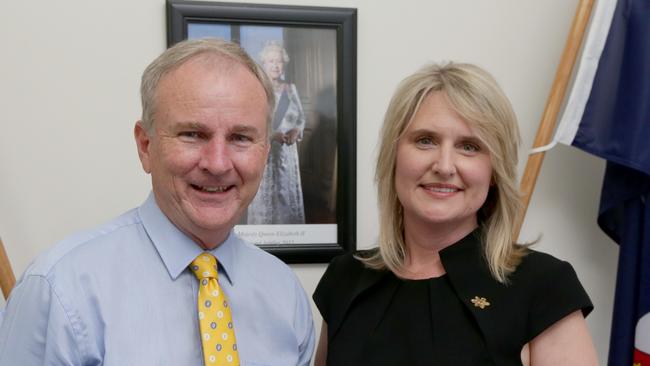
(215, 319)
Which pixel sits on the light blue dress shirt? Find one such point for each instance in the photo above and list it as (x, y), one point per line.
(122, 295)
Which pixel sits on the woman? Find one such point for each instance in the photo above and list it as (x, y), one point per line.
(279, 199)
(448, 285)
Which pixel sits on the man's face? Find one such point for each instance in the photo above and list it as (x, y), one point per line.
(207, 146)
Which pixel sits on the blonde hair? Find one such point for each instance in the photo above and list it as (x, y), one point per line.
(476, 97)
(182, 52)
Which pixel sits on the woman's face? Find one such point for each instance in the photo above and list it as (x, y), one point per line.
(443, 171)
(273, 64)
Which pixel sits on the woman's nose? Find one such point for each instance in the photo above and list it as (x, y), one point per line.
(444, 162)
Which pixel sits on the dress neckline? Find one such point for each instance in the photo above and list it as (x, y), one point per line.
(429, 279)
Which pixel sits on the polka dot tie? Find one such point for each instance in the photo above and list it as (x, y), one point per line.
(215, 319)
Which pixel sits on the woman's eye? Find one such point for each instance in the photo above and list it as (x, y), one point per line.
(424, 141)
(470, 147)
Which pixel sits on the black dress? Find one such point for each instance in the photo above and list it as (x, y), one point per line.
(462, 318)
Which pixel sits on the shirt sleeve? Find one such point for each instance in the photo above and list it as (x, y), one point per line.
(36, 330)
(557, 295)
(305, 327)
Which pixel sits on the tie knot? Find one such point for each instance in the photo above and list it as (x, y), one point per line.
(204, 266)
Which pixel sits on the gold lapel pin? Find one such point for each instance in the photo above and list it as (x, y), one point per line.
(480, 302)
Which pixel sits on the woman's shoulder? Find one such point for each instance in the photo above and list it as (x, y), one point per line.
(541, 275)
(550, 288)
(350, 263)
(348, 274)
(536, 263)
(344, 279)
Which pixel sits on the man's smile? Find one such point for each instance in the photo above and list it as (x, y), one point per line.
(212, 189)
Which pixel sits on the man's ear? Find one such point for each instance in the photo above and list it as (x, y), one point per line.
(143, 141)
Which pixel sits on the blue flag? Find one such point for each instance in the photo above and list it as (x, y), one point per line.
(608, 115)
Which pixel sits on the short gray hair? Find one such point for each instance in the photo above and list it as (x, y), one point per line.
(270, 46)
(182, 52)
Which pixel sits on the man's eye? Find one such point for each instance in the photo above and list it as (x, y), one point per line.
(239, 138)
(189, 135)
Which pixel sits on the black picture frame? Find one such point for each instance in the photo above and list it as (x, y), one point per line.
(334, 32)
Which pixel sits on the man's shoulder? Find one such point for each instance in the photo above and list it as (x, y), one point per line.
(97, 240)
(253, 255)
(265, 274)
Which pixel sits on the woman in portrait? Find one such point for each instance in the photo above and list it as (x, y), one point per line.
(448, 284)
(279, 199)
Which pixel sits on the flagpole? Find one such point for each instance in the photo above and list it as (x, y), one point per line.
(553, 104)
(7, 279)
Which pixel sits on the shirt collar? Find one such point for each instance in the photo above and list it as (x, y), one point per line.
(176, 249)
(226, 254)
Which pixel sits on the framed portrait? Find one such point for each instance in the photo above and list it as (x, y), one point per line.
(305, 209)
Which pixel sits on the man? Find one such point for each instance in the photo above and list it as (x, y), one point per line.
(124, 294)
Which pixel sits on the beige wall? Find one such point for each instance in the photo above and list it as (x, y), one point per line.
(69, 98)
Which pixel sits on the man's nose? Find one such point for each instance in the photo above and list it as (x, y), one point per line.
(216, 157)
